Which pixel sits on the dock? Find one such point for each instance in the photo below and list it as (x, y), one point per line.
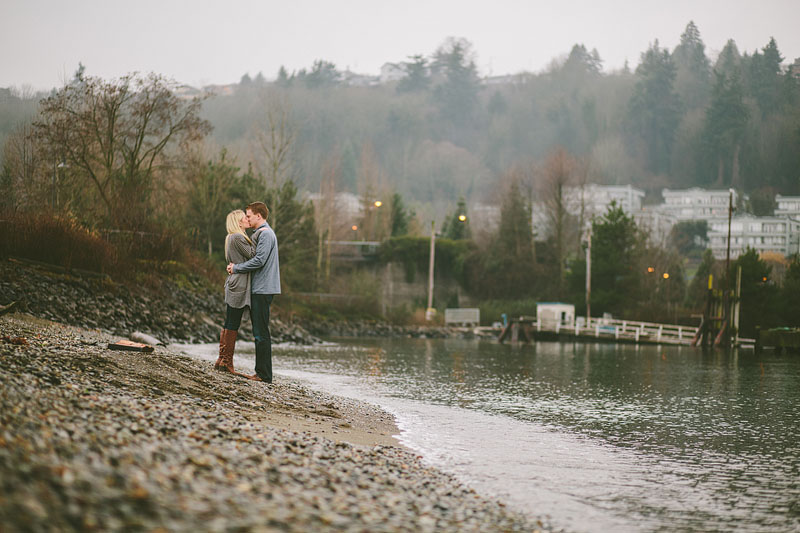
(529, 329)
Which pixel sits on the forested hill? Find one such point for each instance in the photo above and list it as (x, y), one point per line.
(679, 119)
(434, 128)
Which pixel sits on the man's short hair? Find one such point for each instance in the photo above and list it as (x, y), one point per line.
(259, 208)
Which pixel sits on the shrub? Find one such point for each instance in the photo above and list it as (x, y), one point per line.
(60, 241)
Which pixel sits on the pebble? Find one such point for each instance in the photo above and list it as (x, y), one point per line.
(97, 440)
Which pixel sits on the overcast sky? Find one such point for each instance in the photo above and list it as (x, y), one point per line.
(202, 42)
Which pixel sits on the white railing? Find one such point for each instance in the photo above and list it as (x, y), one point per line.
(630, 330)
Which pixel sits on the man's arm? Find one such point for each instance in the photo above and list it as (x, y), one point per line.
(260, 259)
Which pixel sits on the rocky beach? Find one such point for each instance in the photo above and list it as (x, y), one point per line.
(169, 310)
(93, 439)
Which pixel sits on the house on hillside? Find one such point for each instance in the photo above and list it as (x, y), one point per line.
(391, 72)
(763, 234)
(787, 206)
(697, 203)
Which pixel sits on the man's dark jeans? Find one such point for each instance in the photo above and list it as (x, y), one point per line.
(259, 310)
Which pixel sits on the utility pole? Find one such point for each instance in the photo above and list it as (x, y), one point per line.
(726, 316)
(430, 311)
(589, 278)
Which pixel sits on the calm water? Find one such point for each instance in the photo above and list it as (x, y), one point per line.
(593, 437)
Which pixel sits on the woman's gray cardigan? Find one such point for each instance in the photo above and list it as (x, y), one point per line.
(237, 286)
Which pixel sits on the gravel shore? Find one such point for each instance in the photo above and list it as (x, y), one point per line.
(95, 439)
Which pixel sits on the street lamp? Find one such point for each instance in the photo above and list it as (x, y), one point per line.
(62, 164)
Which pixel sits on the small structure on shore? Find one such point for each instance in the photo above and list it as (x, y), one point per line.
(552, 313)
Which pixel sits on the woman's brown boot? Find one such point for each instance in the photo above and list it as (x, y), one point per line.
(222, 339)
(230, 347)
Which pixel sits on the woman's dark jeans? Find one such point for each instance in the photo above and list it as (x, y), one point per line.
(233, 318)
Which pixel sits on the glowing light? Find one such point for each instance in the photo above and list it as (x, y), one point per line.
(462, 218)
(354, 228)
(665, 275)
(651, 269)
(378, 203)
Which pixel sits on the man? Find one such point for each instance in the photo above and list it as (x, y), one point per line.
(265, 284)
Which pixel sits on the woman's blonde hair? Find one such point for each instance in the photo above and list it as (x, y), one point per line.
(232, 225)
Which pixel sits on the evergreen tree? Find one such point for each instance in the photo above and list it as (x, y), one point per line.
(758, 294)
(765, 80)
(400, 217)
(581, 62)
(417, 75)
(507, 268)
(294, 225)
(724, 129)
(457, 93)
(283, 79)
(790, 294)
(323, 74)
(729, 61)
(655, 108)
(693, 77)
(698, 289)
(455, 227)
(617, 246)
(210, 194)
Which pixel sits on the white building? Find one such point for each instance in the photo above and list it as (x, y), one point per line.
(590, 200)
(697, 204)
(787, 206)
(392, 72)
(595, 199)
(346, 205)
(763, 234)
(656, 224)
(552, 313)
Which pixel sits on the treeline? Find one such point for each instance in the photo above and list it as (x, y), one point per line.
(679, 119)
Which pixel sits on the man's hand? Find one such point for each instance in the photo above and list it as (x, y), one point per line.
(230, 268)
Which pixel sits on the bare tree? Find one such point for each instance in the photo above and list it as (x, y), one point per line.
(276, 140)
(117, 135)
(558, 174)
(326, 211)
(23, 178)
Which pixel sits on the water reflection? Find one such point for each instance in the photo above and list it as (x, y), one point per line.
(667, 437)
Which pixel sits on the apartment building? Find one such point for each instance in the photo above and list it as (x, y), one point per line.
(763, 234)
(787, 206)
(697, 203)
(590, 200)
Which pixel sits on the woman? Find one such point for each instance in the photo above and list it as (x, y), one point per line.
(238, 249)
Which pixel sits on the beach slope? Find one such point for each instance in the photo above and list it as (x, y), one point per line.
(95, 439)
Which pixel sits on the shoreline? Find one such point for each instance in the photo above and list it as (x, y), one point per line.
(92, 438)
